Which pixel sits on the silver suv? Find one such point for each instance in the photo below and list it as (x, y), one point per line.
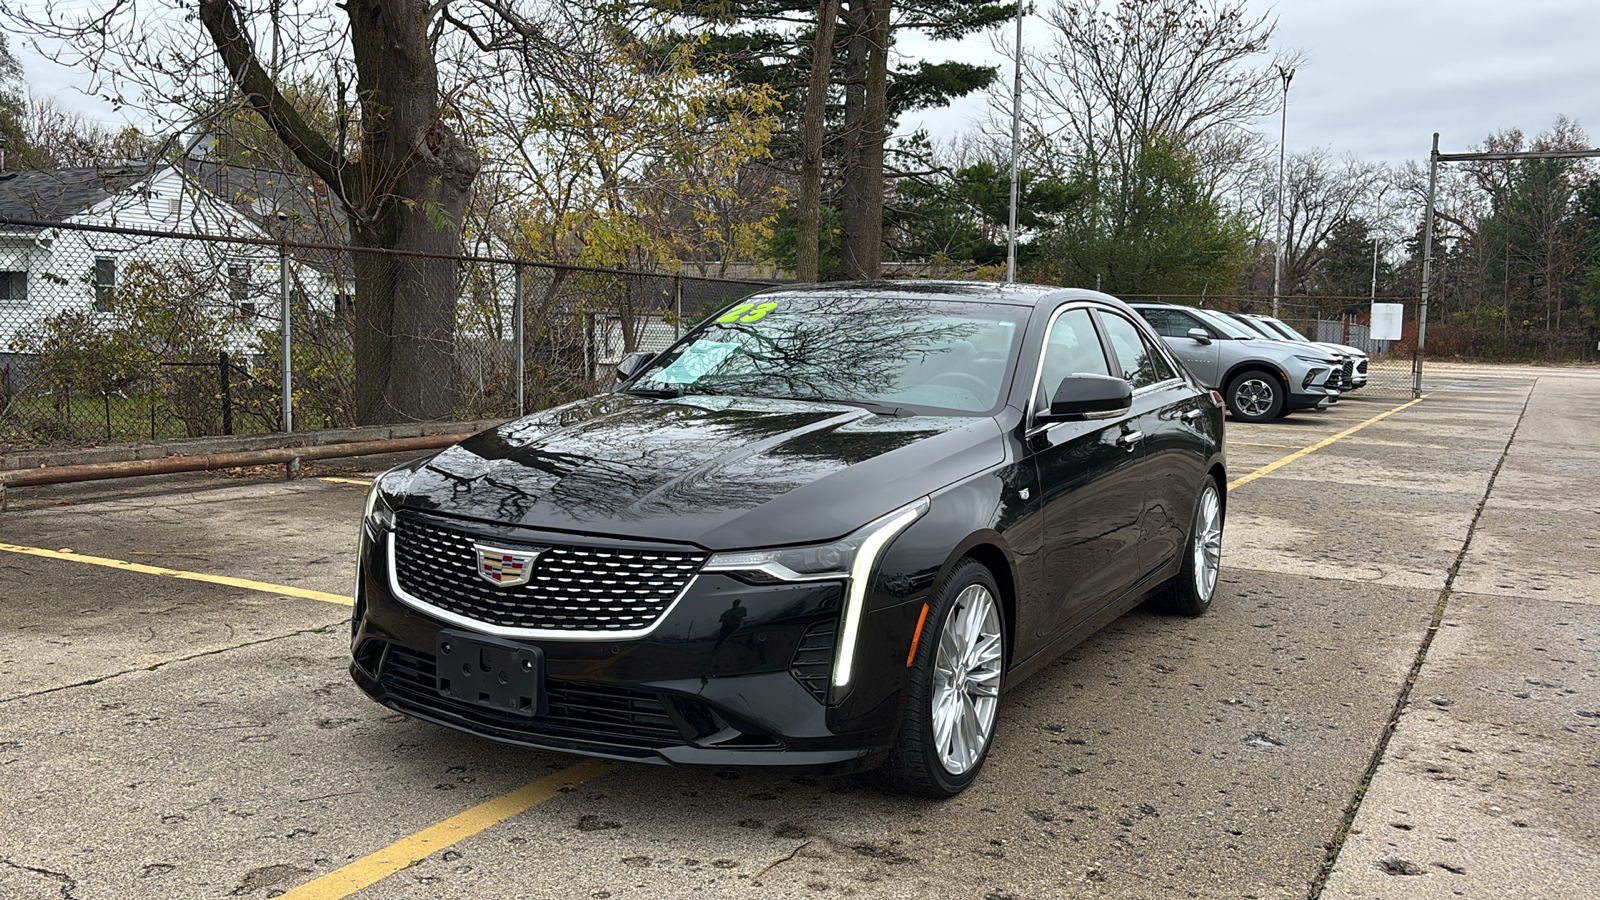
(1260, 379)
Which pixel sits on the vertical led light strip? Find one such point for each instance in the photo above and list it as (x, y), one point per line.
(860, 572)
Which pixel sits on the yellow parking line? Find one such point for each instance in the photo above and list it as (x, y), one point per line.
(245, 583)
(364, 482)
(1278, 464)
(1274, 446)
(409, 851)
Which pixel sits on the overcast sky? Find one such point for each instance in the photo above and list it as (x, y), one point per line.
(1379, 77)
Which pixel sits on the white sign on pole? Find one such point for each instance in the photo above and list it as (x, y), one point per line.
(1386, 319)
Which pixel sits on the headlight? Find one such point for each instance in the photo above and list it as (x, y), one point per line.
(852, 557)
(378, 512)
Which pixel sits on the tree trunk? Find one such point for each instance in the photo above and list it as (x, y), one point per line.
(866, 118)
(808, 250)
(406, 192)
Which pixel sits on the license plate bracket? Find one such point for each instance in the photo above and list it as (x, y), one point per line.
(485, 671)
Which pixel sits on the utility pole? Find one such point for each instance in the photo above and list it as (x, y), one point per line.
(1277, 251)
(1016, 149)
(1374, 268)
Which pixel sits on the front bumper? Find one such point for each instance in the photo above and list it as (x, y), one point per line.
(1311, 398)
(700, 688)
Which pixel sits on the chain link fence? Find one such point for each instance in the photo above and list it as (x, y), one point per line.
(122, 334)
(1393, 366)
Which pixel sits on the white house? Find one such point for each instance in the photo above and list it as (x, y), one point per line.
(70, 237)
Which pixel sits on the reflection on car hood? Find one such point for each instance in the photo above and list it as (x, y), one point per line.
(1286, 349)
(694, 469)
(1347, 350)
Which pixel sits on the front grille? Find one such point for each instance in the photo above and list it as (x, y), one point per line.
(1349, 367)
(579, 711)
(812, 662)
(1362, 367)
(569, 589)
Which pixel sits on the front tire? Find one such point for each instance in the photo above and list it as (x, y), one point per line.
(953, 696)
(1196, 587)
(1255, 396)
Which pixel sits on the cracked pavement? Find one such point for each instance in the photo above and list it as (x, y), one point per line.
(166, 738)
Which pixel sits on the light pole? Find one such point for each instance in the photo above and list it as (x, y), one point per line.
(1016, 150)
(1287, 74)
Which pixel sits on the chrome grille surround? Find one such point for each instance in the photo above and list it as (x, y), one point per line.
(574, 592)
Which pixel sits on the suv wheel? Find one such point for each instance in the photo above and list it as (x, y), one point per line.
(1255, 396)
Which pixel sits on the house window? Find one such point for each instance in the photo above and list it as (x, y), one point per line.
(14, 287)
(105, 282)
(239, 289)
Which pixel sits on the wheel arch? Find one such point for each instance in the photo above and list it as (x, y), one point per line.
(1221, 475)
(988, 552)
(1271, 368)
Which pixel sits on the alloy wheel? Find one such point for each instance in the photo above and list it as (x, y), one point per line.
(1253, 397)
(966, 679)
(1207, 543)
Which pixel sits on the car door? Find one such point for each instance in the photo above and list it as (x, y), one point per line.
(1089, 483)
(1167, 410)
(1204, 360)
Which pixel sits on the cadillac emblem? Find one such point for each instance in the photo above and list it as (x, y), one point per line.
(505, 568)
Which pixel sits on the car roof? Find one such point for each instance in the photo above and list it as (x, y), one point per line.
(976, 291)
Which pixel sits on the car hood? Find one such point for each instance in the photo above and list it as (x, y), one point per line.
(1283, 350)
(1352, 352)
(720, 472)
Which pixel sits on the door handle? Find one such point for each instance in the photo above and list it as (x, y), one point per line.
(1128, 439)
(1192, 414)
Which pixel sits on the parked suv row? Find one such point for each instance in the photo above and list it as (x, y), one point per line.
(1355, 373)
(1260, 378)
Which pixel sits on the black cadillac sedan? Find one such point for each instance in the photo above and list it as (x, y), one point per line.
(829, 528)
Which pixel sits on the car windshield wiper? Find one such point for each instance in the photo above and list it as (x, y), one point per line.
(872, 406)
(685, 391)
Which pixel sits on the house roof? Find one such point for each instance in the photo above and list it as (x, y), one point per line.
(274, 201)
(299, 204)
(52, 195)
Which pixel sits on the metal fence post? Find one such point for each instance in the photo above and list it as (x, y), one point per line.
(1427, 269)
(677, 305)
(227, 398)
(288, 342)
(519, 337)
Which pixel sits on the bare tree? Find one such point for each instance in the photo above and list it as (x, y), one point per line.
(56, 138)
(392, 155)
(1320, 192)
(1111, 82)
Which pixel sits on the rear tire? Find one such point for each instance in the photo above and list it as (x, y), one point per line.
(1191, 594)
(1255, 395)
(953, 695)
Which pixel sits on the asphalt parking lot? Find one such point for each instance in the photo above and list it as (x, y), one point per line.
(163, 735)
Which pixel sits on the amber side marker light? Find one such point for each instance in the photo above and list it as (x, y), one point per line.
(916, 636)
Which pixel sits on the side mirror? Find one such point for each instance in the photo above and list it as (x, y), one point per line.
(633, 363)
(1088, 397)
(1199, 336)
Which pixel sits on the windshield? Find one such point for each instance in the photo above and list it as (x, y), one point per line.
(1286, 331)
(1259, 327)
(1227, 326)
(909, 355)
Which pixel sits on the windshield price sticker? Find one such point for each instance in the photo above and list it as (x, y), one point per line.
(746, 312)
(696, 360)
